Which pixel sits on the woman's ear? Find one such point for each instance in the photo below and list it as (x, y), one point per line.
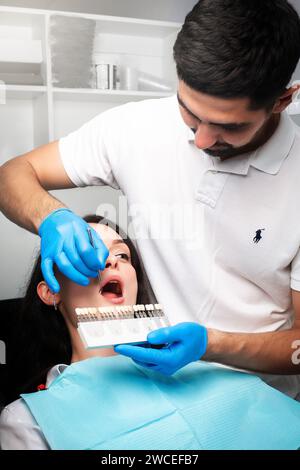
(285, 99)
(46, 295)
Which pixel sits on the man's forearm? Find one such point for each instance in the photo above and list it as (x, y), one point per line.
(22, 198)
(272, 352)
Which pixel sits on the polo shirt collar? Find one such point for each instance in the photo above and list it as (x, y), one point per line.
(267, 158)
(270, 156)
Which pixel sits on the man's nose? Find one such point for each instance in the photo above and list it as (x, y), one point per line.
(205, 136)
(111, 261)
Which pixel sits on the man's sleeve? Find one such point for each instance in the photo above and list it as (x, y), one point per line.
(90, 154)
(295, 272)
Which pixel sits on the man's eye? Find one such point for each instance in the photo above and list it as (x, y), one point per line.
(123, 256)
(234, 129)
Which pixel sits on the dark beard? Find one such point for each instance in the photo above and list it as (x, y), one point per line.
(227, 152)
(261, 137)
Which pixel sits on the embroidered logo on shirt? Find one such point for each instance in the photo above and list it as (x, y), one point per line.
(258, 235)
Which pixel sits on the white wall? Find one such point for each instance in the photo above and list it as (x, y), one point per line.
(167, 10)
(296, 4)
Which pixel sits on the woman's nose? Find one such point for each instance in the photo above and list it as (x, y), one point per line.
(111, 261)
(205, 136)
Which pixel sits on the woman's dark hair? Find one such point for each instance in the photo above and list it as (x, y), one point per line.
(41, 337)
(239, 49)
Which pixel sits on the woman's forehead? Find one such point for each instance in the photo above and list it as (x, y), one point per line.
(106, 233)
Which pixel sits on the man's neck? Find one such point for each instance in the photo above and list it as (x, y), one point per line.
(267, 131)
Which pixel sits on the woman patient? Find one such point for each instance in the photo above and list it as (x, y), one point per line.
(113, 403)
(47, 339)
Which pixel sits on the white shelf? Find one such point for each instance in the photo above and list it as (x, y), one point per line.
(24, 91)
(105, 95)
(134, 27)
(107, 23)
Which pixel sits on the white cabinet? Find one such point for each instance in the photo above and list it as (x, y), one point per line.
(33, 111)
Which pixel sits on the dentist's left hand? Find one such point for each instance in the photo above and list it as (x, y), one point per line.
(65, 242)
(184, 343)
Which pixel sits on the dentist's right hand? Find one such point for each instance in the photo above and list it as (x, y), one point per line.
(65, 242)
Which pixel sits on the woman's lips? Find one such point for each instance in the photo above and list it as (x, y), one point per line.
(111, 297)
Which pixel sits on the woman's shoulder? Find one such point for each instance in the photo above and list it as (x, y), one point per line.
(18, 428)
(15, 411)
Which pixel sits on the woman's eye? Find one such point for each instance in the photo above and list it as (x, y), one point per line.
(123, 256)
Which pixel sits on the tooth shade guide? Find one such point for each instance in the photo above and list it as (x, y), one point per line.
(107, 326)
(118, 313)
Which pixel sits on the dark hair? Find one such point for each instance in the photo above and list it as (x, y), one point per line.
(239, 49)
(42, 339)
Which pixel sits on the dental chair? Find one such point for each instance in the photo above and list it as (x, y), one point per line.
(9, 310)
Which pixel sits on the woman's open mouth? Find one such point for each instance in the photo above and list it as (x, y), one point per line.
(112, 289)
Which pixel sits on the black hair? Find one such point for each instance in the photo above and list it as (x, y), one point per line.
(42, 338)
(239, 49)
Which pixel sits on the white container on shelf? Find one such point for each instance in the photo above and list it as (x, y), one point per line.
(102, 76)
(107, 71)
(107, 76)
(129, 78)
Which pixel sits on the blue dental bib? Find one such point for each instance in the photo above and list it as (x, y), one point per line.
(111, 403)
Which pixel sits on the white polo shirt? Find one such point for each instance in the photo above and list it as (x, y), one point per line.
(219, 240)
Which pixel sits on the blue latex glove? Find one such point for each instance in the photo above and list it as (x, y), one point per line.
(184, 343)
(65, 242)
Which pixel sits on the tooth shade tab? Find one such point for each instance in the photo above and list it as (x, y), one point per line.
(150, 310)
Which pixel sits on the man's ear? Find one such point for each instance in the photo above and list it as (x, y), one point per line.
(285, 99)
(46, 295)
